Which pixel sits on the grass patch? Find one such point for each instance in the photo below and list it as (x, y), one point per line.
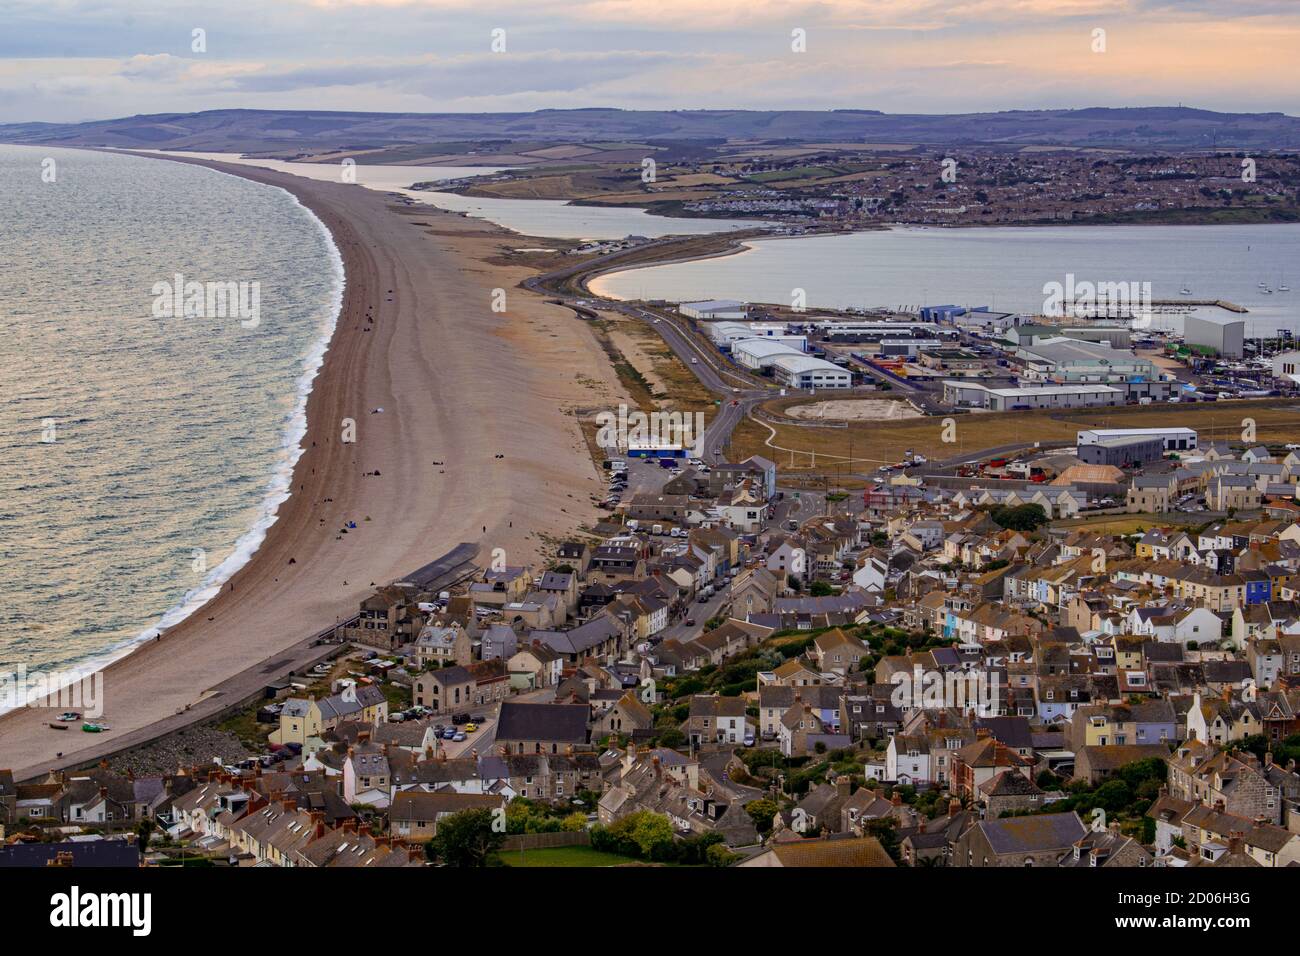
(561, 856)
(874, 443)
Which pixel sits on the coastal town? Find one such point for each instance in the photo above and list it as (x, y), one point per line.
(1081, 652)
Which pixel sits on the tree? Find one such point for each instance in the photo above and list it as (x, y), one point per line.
(821, 589)
(1020, 518)
(650, 831)
(762, 812)
(143, 830)
(467, 838)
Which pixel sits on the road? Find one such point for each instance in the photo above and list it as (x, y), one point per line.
(736, 391)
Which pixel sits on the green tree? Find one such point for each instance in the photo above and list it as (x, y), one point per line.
(465, 839)
(1020, 518)
(762, 811)
(650, 831)
(143, 830)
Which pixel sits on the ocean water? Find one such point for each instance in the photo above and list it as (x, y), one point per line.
(1003, 268)
(143, 454)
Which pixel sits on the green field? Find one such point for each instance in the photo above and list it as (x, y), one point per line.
(562, 856)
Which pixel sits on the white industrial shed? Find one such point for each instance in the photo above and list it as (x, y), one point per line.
(760, 353)
(1224, 336)
(1175, 439)
(973, 395)
(804, 371)
(714, 309)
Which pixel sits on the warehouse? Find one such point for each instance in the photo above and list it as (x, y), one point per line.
(1115, 336)
(1123, 452)
(906, 348)
(724, 333)
(1174, 439)
(1070, 360)
(1221, 336)
(973, 395)
(711, 310)
(1287, 365)
(877, 331)
(952, 359)
(759, 354)
(804, 371)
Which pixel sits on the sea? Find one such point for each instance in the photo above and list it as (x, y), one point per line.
(144, 449)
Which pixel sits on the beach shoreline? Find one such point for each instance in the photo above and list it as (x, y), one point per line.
(475, 392)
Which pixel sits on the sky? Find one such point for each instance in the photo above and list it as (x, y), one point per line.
(71, 60)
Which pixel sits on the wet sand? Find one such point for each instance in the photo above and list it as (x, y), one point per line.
(458, 384)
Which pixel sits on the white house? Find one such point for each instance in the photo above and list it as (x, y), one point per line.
(907, 761)
(870, 573)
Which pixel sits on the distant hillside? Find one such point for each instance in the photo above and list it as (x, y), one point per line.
(312, 131)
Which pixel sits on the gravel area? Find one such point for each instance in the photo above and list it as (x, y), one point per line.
(186, 748)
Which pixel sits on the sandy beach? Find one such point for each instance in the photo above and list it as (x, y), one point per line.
(458, 384)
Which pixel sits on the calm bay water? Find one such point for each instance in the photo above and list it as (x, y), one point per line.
(142, 457)
(1004, 268)
(551, 218)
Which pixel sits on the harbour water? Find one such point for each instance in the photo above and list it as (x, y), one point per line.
(1005, 269)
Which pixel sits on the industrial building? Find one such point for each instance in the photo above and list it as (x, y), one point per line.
(1218, 335)
(952, 360)
(726, 334)
(1118, 337)
(906, 348)
(1287, 365)
(804, 371)
(711, 310)
(1123, 452)
(1070, 360)
(878, 331)
(757, 354)
(974, 395)
(986, 320)
(1174, 439)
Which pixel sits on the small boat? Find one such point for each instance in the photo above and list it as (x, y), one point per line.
(92, 727)
(1266, 290)
(54, 726)
(1184, 291)
(68, 715)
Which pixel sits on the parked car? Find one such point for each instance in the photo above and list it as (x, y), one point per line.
(459, 737)
(449, 733)
(479, 719)
(459, 719)
(471, 727)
